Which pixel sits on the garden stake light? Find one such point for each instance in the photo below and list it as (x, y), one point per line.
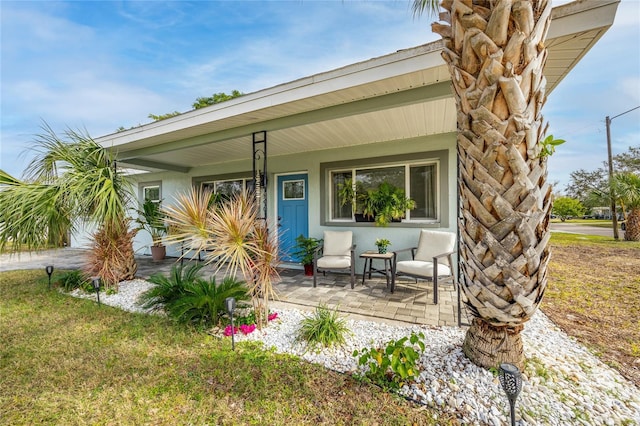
(96, 287)
(511, 382)
(230, 304)
(49, 270)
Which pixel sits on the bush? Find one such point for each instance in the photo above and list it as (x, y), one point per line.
(202, 302)
(168, 289)
(395, 365)
(72, 280)
(324, 327)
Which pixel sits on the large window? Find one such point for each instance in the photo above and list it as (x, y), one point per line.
(418, 181)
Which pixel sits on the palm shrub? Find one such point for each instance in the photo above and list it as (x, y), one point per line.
(324, 327)
(71, 181)
(168, 289)
(202, 302)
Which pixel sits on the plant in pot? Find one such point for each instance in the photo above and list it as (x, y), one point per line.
(151, 219)
(382, 244)
(386, 203)
(305, 247)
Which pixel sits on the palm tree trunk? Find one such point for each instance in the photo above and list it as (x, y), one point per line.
(495, 53)
(632, 229)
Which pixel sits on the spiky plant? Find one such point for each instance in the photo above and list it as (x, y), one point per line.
(111, 256)
(235, 240)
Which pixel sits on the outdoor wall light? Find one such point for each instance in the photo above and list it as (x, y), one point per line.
(230, 304)
(49, 270)
(511, 382)
(96, 286)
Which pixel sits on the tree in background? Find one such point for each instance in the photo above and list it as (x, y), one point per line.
(70, 182)
(495, 51)
(626, 187)
(566, 207)
(592, 187)
(201, 102)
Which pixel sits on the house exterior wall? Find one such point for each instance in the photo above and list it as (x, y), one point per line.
(401, 235)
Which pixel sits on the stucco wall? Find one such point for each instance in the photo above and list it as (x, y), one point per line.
(401, 235)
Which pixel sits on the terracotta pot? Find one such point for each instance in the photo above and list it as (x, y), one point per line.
(308, 270)
(158, 252)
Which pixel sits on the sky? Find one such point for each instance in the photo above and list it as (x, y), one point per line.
(101, 65)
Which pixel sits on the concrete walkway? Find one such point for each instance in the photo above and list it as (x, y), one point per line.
(411, 302)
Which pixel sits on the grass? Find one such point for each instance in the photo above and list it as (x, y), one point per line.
(593, 295)
(68, 361)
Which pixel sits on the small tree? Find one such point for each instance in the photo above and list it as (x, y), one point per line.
(626, 186)
(233, 237)
(567, 207)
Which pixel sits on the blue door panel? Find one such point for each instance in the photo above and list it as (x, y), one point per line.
(293, 216)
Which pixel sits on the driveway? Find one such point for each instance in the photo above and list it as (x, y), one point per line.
(577, 228)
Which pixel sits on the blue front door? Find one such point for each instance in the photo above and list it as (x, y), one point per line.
(293, 213)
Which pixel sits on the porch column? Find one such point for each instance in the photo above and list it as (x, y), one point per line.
(260, 171)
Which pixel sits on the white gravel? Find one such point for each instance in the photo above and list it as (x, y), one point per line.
(564, 384)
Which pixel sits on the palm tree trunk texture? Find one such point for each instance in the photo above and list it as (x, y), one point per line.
(495, 52)
(632, 229)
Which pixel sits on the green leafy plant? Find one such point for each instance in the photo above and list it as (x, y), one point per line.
(394, 365)
(71, 280)
(305, 247)
(386, 203)
(151, 219)
(202, 302)
(382, 244)
(548, 146)
(168, 289)
(325, 327)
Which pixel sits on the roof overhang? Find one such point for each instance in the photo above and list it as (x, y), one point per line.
(398, 96)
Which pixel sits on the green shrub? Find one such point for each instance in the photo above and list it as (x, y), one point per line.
(395, 365)
(324, 327)
(202, 302)
(72, 280)
(168, 289)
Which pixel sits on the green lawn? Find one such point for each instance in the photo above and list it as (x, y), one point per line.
(67, 361)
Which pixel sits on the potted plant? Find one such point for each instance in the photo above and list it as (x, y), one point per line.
(151, 219)
(382, 244)
(305, 247)
(384, 204)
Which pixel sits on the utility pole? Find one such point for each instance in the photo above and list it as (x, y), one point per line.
(614, 215)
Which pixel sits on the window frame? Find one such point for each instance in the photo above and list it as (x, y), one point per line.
(438, 158)
(142, 186)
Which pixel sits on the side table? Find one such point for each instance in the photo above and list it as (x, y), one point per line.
(369, 256)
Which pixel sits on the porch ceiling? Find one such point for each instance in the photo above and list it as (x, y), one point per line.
(398, 96)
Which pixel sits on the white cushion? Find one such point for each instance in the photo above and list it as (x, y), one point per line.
(434, 243)
(419, 268)
(337, 243)
(334, 262)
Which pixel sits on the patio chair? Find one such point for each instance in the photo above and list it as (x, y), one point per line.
(432, 259)
(336, 253)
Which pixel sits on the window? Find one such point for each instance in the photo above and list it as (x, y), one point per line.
(150, 191)
(419, 181)
(228, 188)
(293, 189)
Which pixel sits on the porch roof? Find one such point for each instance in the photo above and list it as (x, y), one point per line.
(402, 95)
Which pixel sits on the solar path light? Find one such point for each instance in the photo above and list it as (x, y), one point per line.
(96, 286)
(511, 382)
(230, 304)
(49, 270)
